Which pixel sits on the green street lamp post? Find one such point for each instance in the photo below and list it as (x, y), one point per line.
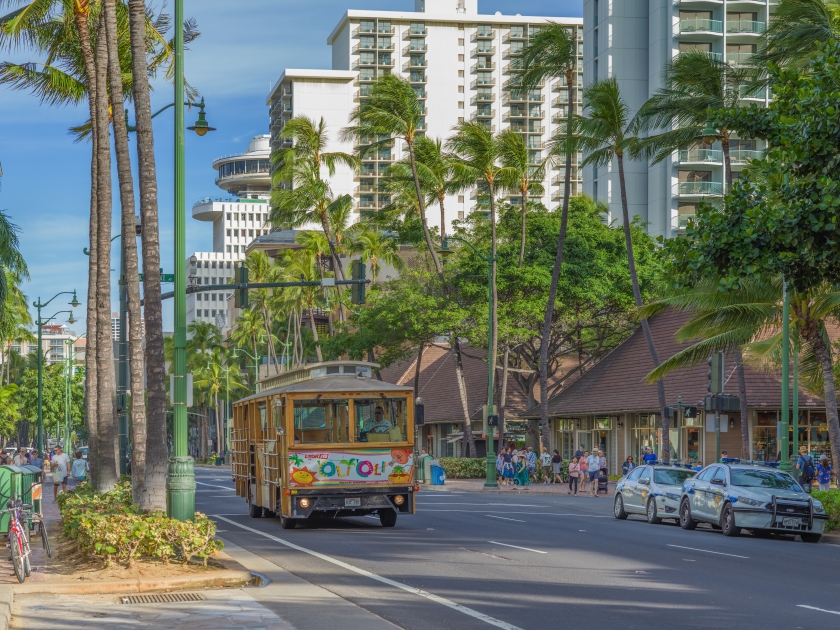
(68, 396)
(180, 483)
(40, 323)
(784, 438)
(490, 481)
(256, 363)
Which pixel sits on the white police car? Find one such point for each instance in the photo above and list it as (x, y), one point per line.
(736, 495)
(653, 491)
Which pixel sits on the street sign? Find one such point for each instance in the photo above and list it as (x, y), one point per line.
(164, 277)
(722, 403)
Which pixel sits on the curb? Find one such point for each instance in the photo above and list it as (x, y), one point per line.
(220, 579)
(7, 598)
(531, 491)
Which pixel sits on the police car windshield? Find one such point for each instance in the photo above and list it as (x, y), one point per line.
(764, 479)
(672, 477)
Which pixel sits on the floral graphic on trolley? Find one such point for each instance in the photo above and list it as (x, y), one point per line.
(330, 468)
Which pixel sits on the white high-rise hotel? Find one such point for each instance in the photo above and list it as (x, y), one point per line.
(460, 64)
(633, 40)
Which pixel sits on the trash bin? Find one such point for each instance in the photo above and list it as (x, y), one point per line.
(427, 468)
(31, 487)
(438, 476)
(421, 468)
(218, 461)
(10, 477)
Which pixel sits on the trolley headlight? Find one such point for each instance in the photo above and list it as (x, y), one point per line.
(304, 503)
(399, 499)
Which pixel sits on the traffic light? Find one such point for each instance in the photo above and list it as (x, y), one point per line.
(715, 373)
(240, 299)
(493, 420)
(357, 291)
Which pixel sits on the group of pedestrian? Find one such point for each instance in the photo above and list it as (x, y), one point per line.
(586, 469)
(518, 466)
(808, 472)
(58, 463)
(21, 457)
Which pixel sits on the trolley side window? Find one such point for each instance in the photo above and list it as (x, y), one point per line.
(321, 421)
(263, 420)
(381, 420)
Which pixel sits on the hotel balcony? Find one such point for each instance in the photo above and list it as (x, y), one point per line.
(738, 58)
(484, 33)
(697, 189)
(483, 65)
(698, 27)
(483, 98)
(483, 83)
(518, 96)
(700, 156)
(415, 47)
(680, 222)
(742, 156)
(416, 63)
(417, 78)
(483, 115)
(745, 27)
(418, 32)
(484, 50)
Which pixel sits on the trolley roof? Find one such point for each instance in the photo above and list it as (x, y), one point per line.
(329, 376)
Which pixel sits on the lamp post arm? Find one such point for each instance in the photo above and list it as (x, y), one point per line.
(132, 128)
(86, 251)
(40, 305)
(471, 246)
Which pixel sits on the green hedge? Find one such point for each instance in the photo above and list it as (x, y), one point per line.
(831, 500)
(464, 467)
(109, 526)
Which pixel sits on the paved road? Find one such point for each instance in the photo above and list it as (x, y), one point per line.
(477, 561)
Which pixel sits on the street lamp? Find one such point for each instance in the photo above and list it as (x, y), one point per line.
(709, 135)
(68, 396)
(180, 482)
(490, 481)
(256, 362)
(40, 322)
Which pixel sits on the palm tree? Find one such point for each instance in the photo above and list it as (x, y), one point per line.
(434, 170)
(212, 375)
(553, 54)
(795, 31)
(261, 269)
(310, 200)
(304, 265)
(376, 247)
(750, 317)
(694, 82)
(249, 333)
(520, 174)
(607, 132)
(392, 110)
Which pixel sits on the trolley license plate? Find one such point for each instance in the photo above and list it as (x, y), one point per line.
(791, 522)
(352, 503)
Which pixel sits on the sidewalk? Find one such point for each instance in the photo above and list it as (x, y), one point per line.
(477, 485)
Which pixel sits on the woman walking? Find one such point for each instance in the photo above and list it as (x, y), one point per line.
(522, 477)
(557, 466)
(583, 470)
(500, 466)
(574, 473)
(627, 466)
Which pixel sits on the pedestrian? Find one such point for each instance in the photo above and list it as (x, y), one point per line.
(627, 466)
(500, 467)
(36, 461)
(507, 467)
(5, 460)
(825, 472)
(805, 466)
(602, 461)
(522, 475)
(593, 468)
(20, 457)
(557, 467)
(545, 464)
(580, 453)
(60, 464)
(649, 457)
(574, 473)
(79, 469)
(584, 477)
(531, 459)
(698, 466)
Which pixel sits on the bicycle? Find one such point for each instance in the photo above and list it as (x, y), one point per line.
(18, 539)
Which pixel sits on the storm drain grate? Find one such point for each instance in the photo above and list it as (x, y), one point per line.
(162, 598)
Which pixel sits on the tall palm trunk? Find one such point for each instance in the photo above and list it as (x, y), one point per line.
(106, 404)
(637, 295)
(813, 334)
(80, 17)
(132, 272)
(524, 224)
(315, 334)
(503, 397)
(421, 205)
(558, 259)
(325, 226)
(157, 450)
(469, 438)
(219, 442)
(494, 293)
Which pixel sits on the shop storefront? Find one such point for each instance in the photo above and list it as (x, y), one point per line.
(813, 434)
(593, 433)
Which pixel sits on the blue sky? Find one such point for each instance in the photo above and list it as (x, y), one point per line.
(46, 183)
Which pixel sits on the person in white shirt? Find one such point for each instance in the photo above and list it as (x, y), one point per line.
(60, 464)
(20, 457)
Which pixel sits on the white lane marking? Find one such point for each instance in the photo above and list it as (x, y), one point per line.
(831, 612)
(526, 513)
(718, 553)
(419, 503)
(503, 518)
(215, 486)
(516, 547)
(405, 587)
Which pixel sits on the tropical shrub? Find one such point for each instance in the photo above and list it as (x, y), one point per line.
(831, 500)
(464, 468)
(107, 525)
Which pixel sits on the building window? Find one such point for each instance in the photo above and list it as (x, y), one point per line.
(461, 73)
(228, 216)
(460, 214)
(460, 104)
(460, 57)
(228, 249)
(460, 89)
(460, 42)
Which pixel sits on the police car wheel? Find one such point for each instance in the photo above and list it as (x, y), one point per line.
(652, 518)
(686, 522)
(618, 508)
